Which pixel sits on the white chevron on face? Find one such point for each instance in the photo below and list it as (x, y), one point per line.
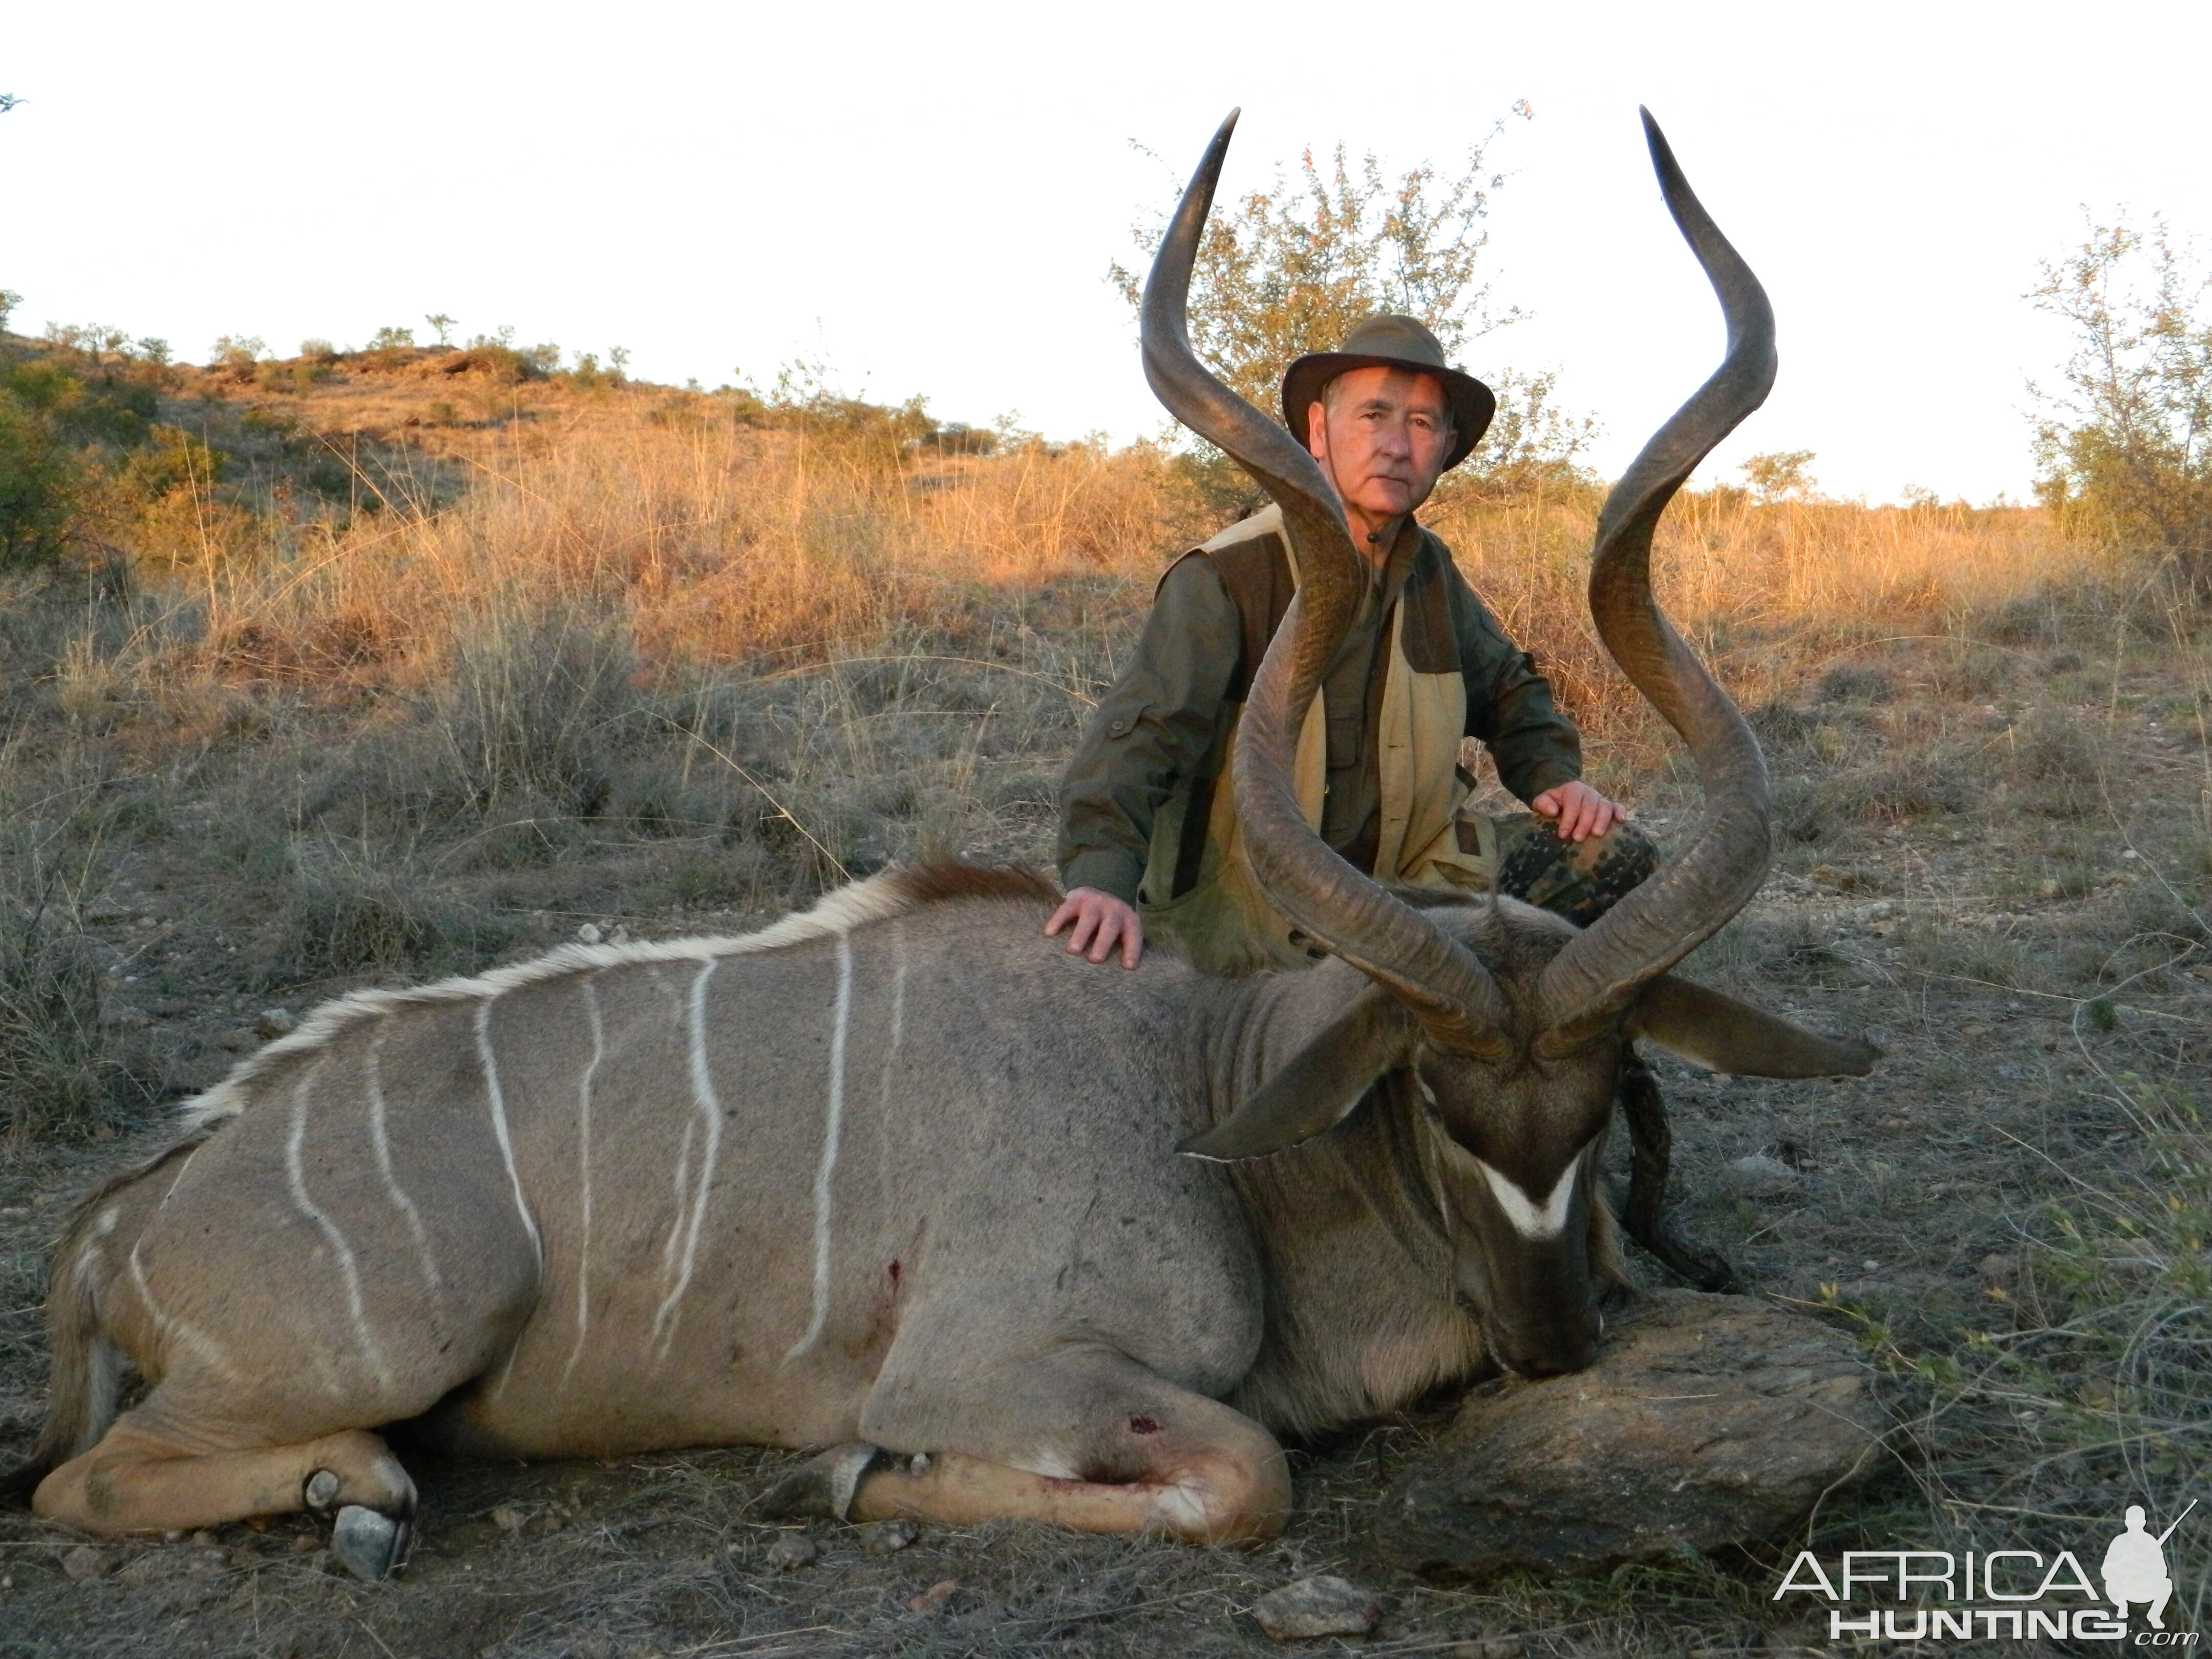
(1546, 1220)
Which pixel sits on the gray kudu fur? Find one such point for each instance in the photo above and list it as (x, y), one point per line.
(899, 1176)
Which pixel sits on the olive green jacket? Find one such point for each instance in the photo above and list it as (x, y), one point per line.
(1144, 809)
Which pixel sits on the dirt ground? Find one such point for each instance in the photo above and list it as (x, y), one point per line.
(1994, 861)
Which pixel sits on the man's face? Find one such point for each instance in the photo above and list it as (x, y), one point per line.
(1382, 433)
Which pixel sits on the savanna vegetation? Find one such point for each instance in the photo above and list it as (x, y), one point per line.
(348, 667)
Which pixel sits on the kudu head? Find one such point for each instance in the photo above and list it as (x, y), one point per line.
(1509, 1025)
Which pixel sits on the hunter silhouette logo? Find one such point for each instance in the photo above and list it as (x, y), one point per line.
(2135, 1567)
(2000, 1595)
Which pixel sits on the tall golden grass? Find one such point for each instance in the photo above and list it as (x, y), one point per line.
(710, 543)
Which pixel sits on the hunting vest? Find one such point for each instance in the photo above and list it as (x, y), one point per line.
(1198, 888)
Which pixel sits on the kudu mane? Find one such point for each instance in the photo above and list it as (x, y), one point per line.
(898, 891)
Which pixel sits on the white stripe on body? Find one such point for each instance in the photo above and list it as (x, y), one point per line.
(680, 1206)
(381, 1141)
(498, 1099)
(349, 1269)
(584, 1174)
(203, 1348)
(710, 1113)
(832, 1129)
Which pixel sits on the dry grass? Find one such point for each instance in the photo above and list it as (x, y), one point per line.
(621, 659)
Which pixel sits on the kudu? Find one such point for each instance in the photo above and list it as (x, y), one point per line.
(898, 1176)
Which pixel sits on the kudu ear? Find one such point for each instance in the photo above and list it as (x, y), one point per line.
(1323, 1081)
(1716, 1031)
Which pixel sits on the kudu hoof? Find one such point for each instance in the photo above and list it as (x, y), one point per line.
(821, 1487)
(368, 1545)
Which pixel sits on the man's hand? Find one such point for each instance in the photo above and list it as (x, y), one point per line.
(1577, 811)
(1101, 922)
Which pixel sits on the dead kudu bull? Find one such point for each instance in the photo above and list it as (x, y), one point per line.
(899, 1176)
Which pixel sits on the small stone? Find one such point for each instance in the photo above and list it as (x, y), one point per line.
(934, 1597)
(84, 1563)
(886, 1537)
(590, 933)
(275, 1023)
(1324, 1606)
(1761, 1176)
(507, 1518)
(791, 1552)
(1489, 1647)
(203, 1536)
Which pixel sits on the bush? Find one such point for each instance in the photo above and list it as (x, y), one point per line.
(2126, 450)
(237, 352)
(38, 488)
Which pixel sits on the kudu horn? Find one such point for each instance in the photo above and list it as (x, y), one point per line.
(1597, 977)
(1449, 990)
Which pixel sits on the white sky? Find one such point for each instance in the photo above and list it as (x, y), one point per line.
(929, 194)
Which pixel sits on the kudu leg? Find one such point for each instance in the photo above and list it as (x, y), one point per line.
(1652, 1145)
(141, 1478)
(1204, 1494)
(1127, 1452)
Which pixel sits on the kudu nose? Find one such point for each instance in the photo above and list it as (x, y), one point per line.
(1566, 1346)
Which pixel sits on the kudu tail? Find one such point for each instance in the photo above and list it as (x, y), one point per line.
(86, 1367)
(81, 1393)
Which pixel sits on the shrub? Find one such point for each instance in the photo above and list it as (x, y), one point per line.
(237, 352)
(40, 480)
(2126, 449)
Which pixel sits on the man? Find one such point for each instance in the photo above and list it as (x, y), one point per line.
(1148, 834)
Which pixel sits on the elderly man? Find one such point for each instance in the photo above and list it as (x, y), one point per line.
(1148, 834)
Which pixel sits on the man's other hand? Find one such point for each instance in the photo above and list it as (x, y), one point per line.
(1102, 922)
(1577, 811)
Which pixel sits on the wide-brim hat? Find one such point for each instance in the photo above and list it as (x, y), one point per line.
(1389, 341)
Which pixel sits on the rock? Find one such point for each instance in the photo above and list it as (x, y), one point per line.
(1761, 1176)
(275, 1023)
(507, 1518)
(792, 1551)
(886, 1537)
(590, 933)
(1322, 1605)
(85, 1563)
(1707, 1421)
